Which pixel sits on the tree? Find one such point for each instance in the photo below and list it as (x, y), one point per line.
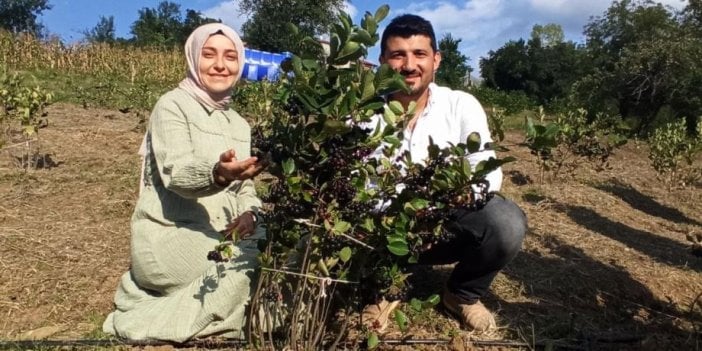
(103, 32)
(507, 68)
(267, 27)
(549, 35)
(554, 65)
(453, 69)
(21, 15)
(543, 68)
(159, 27)
(646, 63)
(193, 19)
(164, 26)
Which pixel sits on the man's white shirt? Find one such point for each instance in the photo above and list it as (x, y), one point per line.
(449, 117)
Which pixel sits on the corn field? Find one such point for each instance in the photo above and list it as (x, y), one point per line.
(126, 63)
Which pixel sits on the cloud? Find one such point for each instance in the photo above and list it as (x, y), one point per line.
(350, 9)
(484, 25)
(229, 13)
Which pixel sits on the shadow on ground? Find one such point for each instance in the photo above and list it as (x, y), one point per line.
(568, 296)
(644, 203)
(657, 247)
(598, 305)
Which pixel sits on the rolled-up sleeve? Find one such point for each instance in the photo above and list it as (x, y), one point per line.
(474, 119)
(173, 149)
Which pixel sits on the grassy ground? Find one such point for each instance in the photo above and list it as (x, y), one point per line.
(605, 264)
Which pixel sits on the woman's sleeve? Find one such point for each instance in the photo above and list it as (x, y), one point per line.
(246, 199)
(173, 149)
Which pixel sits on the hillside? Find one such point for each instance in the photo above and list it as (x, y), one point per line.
(605, 261)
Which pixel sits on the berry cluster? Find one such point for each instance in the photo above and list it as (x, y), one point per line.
(340, 189)
(398, 293)
(216, 256)
(272, 293)
(330, 243)
(285, 203)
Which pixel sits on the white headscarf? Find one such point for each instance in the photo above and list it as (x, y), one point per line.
(193, 49)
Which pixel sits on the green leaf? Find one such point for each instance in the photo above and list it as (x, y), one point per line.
(367, 87)
(391, 85)
(473, 142)
(335, 127)
(420, 203)
(370, 24)
(530, 130)
(309, 64)
(396, 238)
(362, 36)
(411, 108)
(381, 13)
(392, 140)
(416, 304)
(401, 320)
(341, 227)
(466, 170)
(373, 341)
(374, 104)
(398, 248)
(288, 166)
(390, 117)
(348, 52)
(433, 300)
(368, 225)
(292, 28)
(345, 254)
(323, 267)
(396, 107)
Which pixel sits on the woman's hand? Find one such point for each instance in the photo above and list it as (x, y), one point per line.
(229, 169)
(242, 226)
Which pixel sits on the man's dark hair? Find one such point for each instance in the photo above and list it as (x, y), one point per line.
(405, 26)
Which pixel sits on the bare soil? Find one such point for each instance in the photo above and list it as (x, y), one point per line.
(606, 263)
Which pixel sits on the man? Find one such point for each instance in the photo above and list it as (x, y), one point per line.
(486, 239)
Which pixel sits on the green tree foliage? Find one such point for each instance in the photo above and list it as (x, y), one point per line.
(21, 15)
(159, 26)
(103, 32)
(506, 68)
(164, 26)
(553, 68)
(267, 28)
(673, 153)
(193, 19)
(645, 60)
(453, 69)
(549, 35)
(543, 68)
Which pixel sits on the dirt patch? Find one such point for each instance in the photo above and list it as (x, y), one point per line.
(605, 262)
(65, 229)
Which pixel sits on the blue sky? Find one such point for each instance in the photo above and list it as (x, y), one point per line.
(482, 25)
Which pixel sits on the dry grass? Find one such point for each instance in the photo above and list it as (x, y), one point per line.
(605, 260)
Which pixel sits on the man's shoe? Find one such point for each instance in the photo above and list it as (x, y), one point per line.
(474, 316)
(376, 316)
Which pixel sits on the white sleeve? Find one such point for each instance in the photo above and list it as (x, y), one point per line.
(474, 119)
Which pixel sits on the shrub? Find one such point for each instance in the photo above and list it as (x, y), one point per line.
(510, 102)
(673, 153)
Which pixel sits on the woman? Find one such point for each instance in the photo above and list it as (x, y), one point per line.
(192, 190)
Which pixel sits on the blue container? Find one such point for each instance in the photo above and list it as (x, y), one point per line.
(260, 65)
